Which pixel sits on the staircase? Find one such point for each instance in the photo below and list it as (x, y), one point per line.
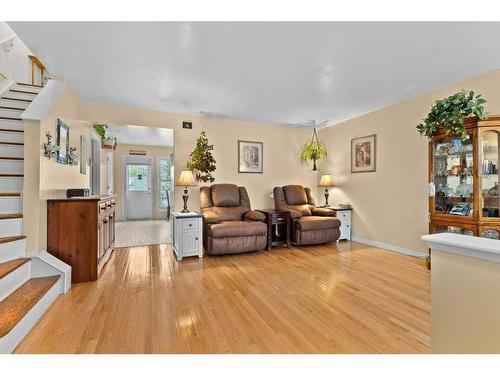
(28, 284)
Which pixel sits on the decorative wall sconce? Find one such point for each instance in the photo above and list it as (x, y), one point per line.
(72, 157)
(50, 149)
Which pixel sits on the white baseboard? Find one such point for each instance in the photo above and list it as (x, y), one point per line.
(390, 247)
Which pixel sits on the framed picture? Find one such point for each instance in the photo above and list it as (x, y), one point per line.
(83, 154)
(250, 157)
(363, 154)
(62, 142)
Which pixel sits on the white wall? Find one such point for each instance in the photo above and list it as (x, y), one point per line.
(15, 64)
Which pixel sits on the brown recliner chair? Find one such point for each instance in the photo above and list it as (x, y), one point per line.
(311, 225)
(230, 225)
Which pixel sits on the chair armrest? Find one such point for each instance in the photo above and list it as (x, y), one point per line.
(210, 217)
(254, 216)
(318, 211)
(294, 214)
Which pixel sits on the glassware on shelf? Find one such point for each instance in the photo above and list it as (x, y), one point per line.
(453, 176)
(491, 234)
(452, 229)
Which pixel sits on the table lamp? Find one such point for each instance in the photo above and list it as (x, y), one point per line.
(186, 178)
(326, 182)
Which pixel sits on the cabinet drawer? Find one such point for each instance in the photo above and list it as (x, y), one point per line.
(343, 215)
(279, 219)
(189, 224)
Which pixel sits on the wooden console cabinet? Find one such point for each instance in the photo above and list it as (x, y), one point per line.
(81, 232)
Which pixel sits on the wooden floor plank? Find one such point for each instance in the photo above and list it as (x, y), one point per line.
(337, 298)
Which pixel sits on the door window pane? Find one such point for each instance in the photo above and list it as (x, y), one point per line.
(165, 183)
(138, 177)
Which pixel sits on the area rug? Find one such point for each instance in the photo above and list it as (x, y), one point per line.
(139, 233)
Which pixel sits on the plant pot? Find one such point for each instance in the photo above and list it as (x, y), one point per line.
(109, 143)
(314, 165)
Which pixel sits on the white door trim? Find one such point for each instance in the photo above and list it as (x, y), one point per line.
(136, 159)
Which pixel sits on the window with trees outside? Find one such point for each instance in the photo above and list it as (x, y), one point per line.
(165, 183)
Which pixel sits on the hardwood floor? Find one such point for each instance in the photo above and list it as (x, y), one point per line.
(339, 298)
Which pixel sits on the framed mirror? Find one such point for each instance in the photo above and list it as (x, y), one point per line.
(62, 142)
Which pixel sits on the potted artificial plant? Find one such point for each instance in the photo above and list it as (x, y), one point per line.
(108, 141)
(201, 161)
(450, 114)
(314, 151)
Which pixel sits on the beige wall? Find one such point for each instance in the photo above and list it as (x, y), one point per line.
(281, 150)
(47, 178)
(390, 205)
(465, 304)
(118, 175)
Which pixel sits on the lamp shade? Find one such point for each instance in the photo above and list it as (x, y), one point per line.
(326, 181)
(186, 178)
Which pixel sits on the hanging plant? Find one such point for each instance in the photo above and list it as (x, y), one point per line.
(450, 114)
(201, 160)
(313, 150)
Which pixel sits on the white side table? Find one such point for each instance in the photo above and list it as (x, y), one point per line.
(344, 215)
(187, 234)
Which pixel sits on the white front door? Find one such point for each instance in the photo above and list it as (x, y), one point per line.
(138, 196)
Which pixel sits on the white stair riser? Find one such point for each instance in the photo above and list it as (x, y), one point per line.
(11, 184)
(11, 227)
(12, 250)
(10, 124)
(26, 88)
(10, 113)
(11, 166)
(12, 151)
(9, 342)
(13, 103)
(19, 95)
(11, 137)
(10, 205)
(14, 280)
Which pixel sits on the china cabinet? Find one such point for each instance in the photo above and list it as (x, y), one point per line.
(464, 179)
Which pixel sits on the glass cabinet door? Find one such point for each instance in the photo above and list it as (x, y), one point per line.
(489, 168)
(453, 229)
(491, 233)
(453, 176)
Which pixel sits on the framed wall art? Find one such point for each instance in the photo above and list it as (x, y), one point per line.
(62, 141)
(364, 154)
(250, 157)
(83, 154)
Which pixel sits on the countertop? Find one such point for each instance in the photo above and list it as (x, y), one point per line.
(89, 198)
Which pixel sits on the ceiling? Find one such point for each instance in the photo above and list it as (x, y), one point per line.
(285, 73)
(141, 135)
